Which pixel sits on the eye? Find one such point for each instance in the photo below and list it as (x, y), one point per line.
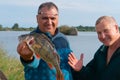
(107, 30)
(44, 18)
(53, 18)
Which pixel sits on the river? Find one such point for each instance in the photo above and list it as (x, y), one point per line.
(85, 42)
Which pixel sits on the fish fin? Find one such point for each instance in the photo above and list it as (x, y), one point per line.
(46, 38)
(50, 66)
(57, 56)
(59, 75)
(37, 55)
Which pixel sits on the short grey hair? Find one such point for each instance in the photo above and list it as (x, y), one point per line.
(49, 5)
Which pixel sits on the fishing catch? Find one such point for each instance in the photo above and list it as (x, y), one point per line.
(41, 45)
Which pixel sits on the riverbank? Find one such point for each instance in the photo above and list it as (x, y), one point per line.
(11, 67)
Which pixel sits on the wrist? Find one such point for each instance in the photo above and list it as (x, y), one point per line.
(28, 60)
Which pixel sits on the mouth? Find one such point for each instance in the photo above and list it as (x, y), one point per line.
(31, 42)
(48, 25)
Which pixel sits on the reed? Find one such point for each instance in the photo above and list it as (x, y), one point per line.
(10, 66)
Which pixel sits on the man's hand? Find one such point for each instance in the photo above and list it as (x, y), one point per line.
(74, 62)
(24, 51)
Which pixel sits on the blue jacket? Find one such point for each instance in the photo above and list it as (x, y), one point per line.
(39, 70)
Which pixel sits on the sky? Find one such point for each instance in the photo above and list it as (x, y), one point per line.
(71, 12)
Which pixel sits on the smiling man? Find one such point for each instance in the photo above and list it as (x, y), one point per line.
(38, 69)
(106, 62)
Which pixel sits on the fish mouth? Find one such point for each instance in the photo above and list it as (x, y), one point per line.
(30, 40)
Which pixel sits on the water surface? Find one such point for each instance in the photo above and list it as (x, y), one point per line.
(85, 42)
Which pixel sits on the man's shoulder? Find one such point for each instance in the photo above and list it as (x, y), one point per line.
(59, 34)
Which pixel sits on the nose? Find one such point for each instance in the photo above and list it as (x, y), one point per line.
(102, 35)
(49, 21)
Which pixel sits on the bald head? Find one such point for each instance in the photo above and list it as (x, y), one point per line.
(108, 19)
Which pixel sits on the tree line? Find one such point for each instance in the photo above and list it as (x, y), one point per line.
(16, 27)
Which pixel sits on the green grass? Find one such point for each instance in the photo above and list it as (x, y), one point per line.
(11, 67)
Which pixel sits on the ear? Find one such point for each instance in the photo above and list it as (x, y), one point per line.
(37, 17)
(117, 28)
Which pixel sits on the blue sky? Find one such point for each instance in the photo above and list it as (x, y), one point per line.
(71, 12)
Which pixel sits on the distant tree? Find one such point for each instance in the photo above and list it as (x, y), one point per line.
(80, 26)
(64, 29)
(15, 26)
(1, 27)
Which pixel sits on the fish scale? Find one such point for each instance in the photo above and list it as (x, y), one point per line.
(41, 45)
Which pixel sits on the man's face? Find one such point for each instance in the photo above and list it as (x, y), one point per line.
(107, 33)
(48, 20)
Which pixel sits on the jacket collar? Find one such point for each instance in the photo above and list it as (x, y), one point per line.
(37, 30)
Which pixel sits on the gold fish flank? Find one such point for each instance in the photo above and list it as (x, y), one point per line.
(44, 47)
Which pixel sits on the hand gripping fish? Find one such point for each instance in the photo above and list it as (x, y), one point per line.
(41, 45)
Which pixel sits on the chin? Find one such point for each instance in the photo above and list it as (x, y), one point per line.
(108, 44)
(47, 30)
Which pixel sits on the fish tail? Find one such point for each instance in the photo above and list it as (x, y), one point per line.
(59, 75)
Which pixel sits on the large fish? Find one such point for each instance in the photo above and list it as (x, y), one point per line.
(41, 45)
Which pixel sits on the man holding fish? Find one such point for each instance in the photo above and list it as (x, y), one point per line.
(35, 66)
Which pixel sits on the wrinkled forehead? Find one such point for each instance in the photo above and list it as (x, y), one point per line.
(48, 14)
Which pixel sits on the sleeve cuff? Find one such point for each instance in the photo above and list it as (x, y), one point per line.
(33, 63)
